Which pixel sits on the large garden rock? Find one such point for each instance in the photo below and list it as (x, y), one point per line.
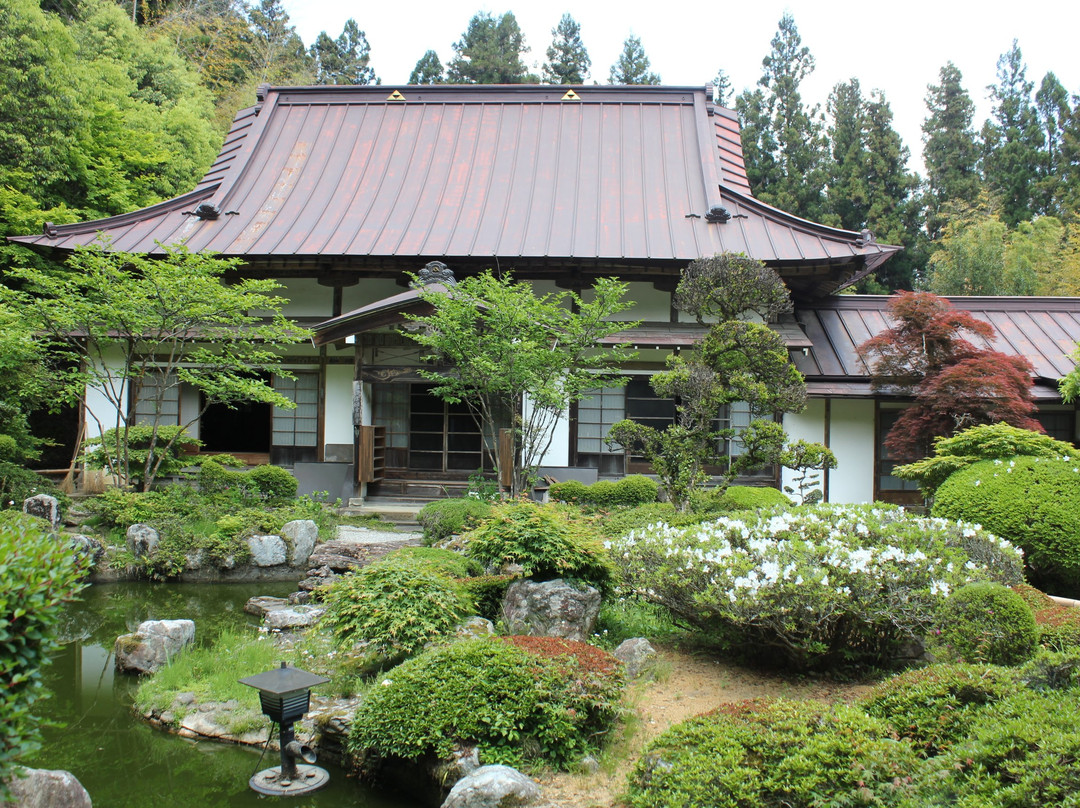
(637, 654)
(46, 788)
(152, 645)
(88, 547)
(142, 540)
(341, 555)
(294, 617)
(267, 551)
(301, 535)
(493, 787)
(262, 605)
(44, 506)
(551, 609)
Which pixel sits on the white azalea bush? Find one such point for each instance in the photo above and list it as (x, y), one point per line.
(815, 586)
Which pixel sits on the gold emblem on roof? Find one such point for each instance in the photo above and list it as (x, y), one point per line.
(395, 96)
(571, 96)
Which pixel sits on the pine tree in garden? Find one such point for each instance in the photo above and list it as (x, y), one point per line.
(567, 60)
(955, 384)
(489, 52)
(343, 60)
(633, 65)
(1012, 140)
(950, 149)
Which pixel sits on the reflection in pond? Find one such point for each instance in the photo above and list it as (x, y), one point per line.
(123, 762)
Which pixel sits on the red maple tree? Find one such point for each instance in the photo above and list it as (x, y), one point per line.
(954, 383)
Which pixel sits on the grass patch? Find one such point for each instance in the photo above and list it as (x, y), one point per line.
(626, 616)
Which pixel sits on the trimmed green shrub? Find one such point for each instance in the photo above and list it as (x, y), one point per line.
(444, 562)
(214, 478)
(1052, 670)
(1021, 752)
(816, 586)
(397, 604)
(773, 753)
(544, 541)
(517, 707)
(1058, 625)
(270, 484)
(603, 494)
(38, 574)
(985, 622)
(1032, 502)
(752, 498)
(18, 483)
(934, 707)
(448, 517)
(998, 441)
(572, 491)
(636, 489)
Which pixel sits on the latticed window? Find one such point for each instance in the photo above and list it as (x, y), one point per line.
(299, 427)
(158, 400)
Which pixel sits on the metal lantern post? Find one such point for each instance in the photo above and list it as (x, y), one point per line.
(285, 695)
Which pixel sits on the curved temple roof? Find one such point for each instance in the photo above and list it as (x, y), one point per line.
(602, 175)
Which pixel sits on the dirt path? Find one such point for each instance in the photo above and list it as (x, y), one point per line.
(687, 686)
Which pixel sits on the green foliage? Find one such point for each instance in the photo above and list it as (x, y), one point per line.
(632, 490)
(571, 491)
(506, 344)
(636, 489)
(397, 604)
(782, 753)
(567, 60)
(632, 66)
(1020, 752)
(811, 586)
(490, 52)
(444, 562)
(271, 484)
(488, 592)
(18, 483)
(626, 616)
(951, 153)
(343, 60)
(142, 447)
(1058, 625)
(138, 327)
(602, 494)
(448, 517)
(751, 498)
(428, 70)
(544, 541)
(516, 707)
(985, 622)
(998, 441)
(214, 478)
(38, 574)
(934, 707)
(1032, 502)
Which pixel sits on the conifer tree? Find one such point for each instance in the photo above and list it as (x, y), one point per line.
(1012, 140)
(950, 149)
(567, 60)
(632, 66)
(489, 52)
(428, 70)
(1052, 108)
(723, 91)
(343, 60)
(278, 54)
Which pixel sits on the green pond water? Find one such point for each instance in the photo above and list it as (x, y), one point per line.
(122, 761)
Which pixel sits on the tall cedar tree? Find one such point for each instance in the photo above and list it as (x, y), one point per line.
(723, 90)
(783, 139)
(278, 55)
(1012, 140)
(633, 65)
(950, 148)
(428, 70)
(567, 60)
(955, 385)
(1052, 107)
(343, 60)
(489, 52)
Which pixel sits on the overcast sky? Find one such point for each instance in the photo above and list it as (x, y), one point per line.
(897, 47)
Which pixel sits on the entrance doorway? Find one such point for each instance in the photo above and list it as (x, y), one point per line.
(425, 433)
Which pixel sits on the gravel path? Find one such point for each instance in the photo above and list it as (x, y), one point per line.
(366, 535)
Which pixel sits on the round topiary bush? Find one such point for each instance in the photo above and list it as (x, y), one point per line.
(271, 484)
(1032, 502)
(752, 498)
(773, 753)
(397, 604)
(572, 491)
(544, 541)
(636, 489)
(602, 494)
(985, 622)
(449, 517)
(934, 707)
(518, 704)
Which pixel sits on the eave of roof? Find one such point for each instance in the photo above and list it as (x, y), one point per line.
(615, 175)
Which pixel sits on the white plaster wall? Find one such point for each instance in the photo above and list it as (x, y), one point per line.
(338, 427)
(808, 425)
(101, 413)
(559, 452)
(852, 441)
(368, 290)
(650, 304)
(306, 298)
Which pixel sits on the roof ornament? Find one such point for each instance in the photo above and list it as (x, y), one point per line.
(570, 95)
(718, 214)
(395, 96)
(49, 229)
(865, 237)
(434, 272)
(206, 211)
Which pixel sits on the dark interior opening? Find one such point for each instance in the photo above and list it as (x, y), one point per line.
(62, 430)
(245, 428)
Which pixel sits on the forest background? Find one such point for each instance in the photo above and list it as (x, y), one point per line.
(106, 107)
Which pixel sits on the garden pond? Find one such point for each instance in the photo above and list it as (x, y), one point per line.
(121, 760)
